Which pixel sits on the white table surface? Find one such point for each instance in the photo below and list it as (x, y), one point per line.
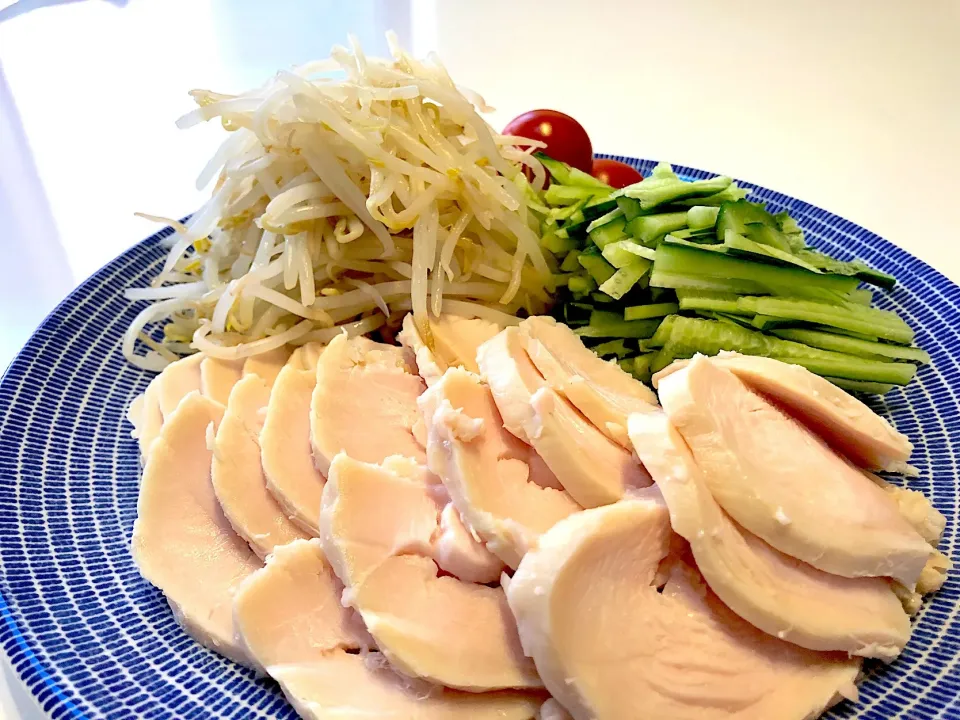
(853, 105)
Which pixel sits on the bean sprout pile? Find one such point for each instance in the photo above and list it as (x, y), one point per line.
(350, 191)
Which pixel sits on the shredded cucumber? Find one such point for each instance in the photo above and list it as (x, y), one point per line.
(848, 316)
(854, 346)
(645, 312)
(620, 283)
(624, 252)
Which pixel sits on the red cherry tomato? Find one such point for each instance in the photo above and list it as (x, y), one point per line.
(615, 173)
(566, 139)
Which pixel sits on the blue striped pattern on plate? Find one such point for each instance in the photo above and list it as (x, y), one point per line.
(91, 639)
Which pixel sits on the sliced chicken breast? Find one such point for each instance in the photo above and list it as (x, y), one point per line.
(454, 341)
(289, 611)
(365, 403)
(441, 629)
(182, 543)
(838, 417)
(289, 616)
(345, 686)
(377, 526)
(145, 416)
(267, 365)
(512, 378)
(774, 592)
(609, 646)
(917, 509)
(217, 377)
(285, 451)
(599, 389)
(593, 469)
(238, 477)
(370, 512)
(176, 381)
(489, 473)
(781, 482)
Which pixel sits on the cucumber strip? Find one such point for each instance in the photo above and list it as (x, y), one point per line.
(612, 325)
(604, 219)
(631, 208)
(568, 194)
(701, 237)
(753, 221)
(622, 280)
(645, 312)
(652, 193)
(855, 269)
(854, 368)
(598, 206)
(567, 175)
(848, 316)
(861, 386)
(581, 284)
(853, 346)
(624, 252)
(680, 257)
(862, 296)
(702, 216)
(649, 229)
(731, 194)
(570, 262)
(599, 297)
(689, 336)
(662, 358)
(638, 366)
(600, 270)
(679, 281)
(660, 337)
(612, 347)
(712, 301)
(558, 245)
(742, 246)
(766, 322)
(606, 234)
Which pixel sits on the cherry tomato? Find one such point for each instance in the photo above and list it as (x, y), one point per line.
(566, 139)
(615, 173)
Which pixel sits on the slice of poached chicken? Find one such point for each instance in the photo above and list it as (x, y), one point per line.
(217, 377)
(289, 610)
(145, 416)
(176, 381)
(495, 480)
(781, 482)
(289, 617)
(454, 341)
(593, 469)
(285, 450)
(182, 543)
(774, 592)
(365, 403)
(377, 526)
(238, 478)
(370, 512)
(609, 646)
(851, 427)
(267, 365)
(600, 390)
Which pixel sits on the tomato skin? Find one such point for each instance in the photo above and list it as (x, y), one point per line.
(615, 173)
(566, 139)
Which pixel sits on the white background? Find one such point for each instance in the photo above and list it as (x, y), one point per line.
(853, 105)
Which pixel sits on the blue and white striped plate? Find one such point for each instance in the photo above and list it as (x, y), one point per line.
(91, 639)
